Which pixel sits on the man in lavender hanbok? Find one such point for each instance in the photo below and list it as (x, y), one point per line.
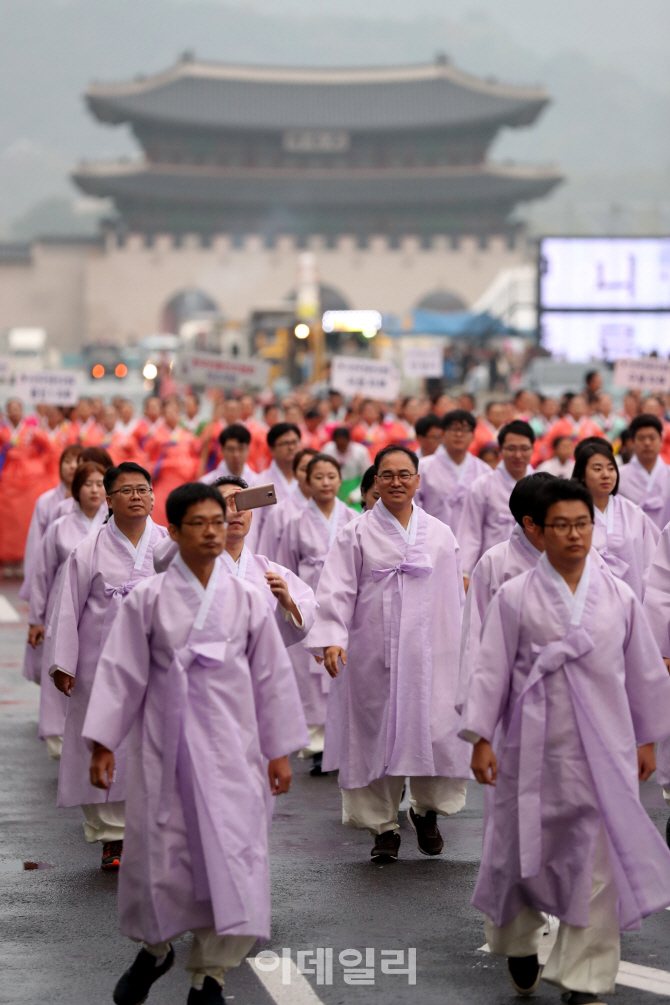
(235, 441)
(390, 605)
(447, 474)
(99, 573)
(61, 537)
(284, 443)
(307, 538)
(276, 517)
(195, 674)
(486, 519)
(570, 682)
(645, 480)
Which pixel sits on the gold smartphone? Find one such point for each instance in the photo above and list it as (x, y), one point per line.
(258, 495)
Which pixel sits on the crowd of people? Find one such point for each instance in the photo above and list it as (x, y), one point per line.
(437, 595)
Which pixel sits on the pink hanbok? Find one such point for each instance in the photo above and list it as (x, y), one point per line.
(651, 492)
(196, 683)
(486, 519)
(393, 599)
(626, 538)
(307, 539)
(59, 540)
(572, 684)
(444, 485)
(99, 573)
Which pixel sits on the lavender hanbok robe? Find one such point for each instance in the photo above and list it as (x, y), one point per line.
(651, 492)
(626, 539)
(250, 476)
(657, 608)
(196, 683)
(486, 519)
(99, 573)
(393, 599)
(444, 485)
(274, 522)
(284, 490)
(307, 538)
(573, 684)
(43, 515)
(59, 540)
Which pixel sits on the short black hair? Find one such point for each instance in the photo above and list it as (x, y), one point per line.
(323, 457)
(524, 492)
(458, 415)
(181, 498)
(267, 408)
(236, 431)
(559, 490)
(340, 433)
(588, 449)
(590, 375)
(492, 404)
(312, 413)
(643, 422)
(230, 480)
(427, 422)
(396, 448)
(625, 436)
(124, 468)
(557, 440)
(368, 480)
(518, 428)
(280, 429)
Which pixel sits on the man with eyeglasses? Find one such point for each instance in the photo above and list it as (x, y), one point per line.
(195, 670)
(570, 683)
(486, 519)
(645, 480)
(99, 573)
(390, 602)
(447, 475)
(284, 443)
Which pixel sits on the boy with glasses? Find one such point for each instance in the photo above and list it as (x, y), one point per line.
(486, 519)
(570, 683)
(284, 443)
(449, 473)
(390, 602)
(99, 573)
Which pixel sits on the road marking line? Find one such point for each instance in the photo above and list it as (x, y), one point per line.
(630, 975)
(298, 992)
(7, 613)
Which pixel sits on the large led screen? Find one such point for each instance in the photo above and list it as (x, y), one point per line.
(579, 273)
(602, 336)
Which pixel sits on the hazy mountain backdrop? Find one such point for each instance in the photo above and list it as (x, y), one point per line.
(605, 62)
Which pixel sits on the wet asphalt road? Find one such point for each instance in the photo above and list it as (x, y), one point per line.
(59, 940)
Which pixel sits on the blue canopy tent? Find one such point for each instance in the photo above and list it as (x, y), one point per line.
(461, 324)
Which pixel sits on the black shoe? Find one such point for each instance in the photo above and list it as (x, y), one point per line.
(134, 986)
(428, 835)
(386, 847)
(524, 972)
(580, 998)
(111, 855)
(316, 765)
(210, 993)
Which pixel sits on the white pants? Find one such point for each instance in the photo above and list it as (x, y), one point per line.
(104, 821)
(583, 959)
(375, 806)
(211, 954)
(666, 796)
(315, 746)
(54, 747)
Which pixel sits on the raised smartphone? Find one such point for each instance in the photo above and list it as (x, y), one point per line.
(259, 495)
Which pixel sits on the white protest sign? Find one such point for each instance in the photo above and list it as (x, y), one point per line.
(373, 378)
(423, 361)
(647, 374)
(210, 370)
(47, 387)
(6, 367)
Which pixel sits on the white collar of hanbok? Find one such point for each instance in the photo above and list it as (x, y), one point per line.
(607, 518)
(205, 594)
(93, 521)
(518, 535)
(238, 568)
(459, 469)
(506, 476)
(331, 521)
(649, 475)
(576, 601)
(409, 535)
(138, 553)
(277, 472)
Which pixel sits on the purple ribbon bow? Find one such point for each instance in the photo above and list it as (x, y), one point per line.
(421, 567)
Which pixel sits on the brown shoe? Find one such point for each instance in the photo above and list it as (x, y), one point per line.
(386, 847)
(428, 836)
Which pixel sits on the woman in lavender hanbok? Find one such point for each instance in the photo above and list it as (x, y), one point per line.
(623, 535)
(567, 696)
(307, 538)
(98, 574)
(60, 538)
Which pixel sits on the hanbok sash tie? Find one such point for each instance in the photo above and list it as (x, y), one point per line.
(116, 593)
(528, 728)
(421, 566)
